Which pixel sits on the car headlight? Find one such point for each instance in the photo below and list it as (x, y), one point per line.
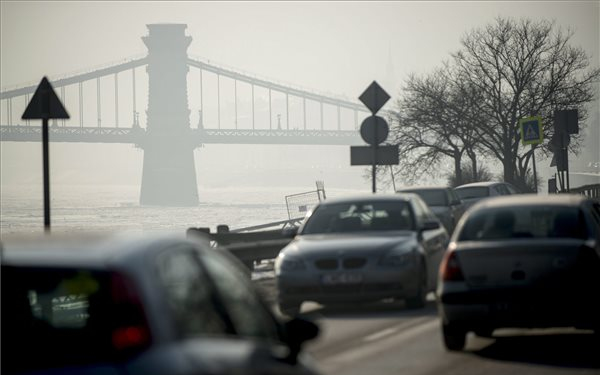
(291, 264)
(393, 259)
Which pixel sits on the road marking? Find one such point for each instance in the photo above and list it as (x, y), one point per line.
(380, 334)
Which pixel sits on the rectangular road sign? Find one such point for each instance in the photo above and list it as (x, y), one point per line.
(363, 155)
(531, 130)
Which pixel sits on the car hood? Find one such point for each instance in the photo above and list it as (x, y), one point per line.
(338, 244)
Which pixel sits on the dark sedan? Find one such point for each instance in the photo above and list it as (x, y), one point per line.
(443, 201)
(524, 261)
(360, 249)
(143, 305)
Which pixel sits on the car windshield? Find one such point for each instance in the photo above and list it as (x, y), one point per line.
(524, 222)
(360, 216)
(473, 192)
(62, 317)
(433, 197)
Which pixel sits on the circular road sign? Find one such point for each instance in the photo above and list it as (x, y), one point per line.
(374, 130)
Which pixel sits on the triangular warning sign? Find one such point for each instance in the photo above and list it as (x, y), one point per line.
(44, 104)
(530, 131)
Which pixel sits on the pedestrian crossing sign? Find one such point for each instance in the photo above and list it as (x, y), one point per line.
(531, 130)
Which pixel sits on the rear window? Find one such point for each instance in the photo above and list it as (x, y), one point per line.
(63, 317)
(472, 192)
(432, 197)
(524, 222)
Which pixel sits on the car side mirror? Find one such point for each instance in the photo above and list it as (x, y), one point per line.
(297, 332)
(429, 225)
(289, 232)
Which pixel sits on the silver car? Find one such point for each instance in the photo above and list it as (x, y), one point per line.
(442, 201)
(524, 261)
(476, 191)
(360, 249)
(138, 305)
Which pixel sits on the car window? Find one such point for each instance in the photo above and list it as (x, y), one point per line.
(473, 192)
(248, 314)
(189, 295)
(501, 190)
(64, 317)
(433, 197)
(524, 222)
(453, 196)
(360, 216)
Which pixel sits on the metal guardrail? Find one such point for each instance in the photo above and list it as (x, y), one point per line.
(246, 245)
(591, 191)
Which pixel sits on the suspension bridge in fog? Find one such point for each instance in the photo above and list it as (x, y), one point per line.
(104, 108)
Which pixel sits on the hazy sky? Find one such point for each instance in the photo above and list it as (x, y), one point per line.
(329, 47)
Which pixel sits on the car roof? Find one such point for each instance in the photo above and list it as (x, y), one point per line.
(481, 184)
(382, 197)
(422, 187)
(94, 251)
(573, 200)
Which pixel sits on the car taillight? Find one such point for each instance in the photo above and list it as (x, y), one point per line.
(450, 266)
(131, 330)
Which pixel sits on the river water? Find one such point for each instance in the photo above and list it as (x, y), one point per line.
(107, 208)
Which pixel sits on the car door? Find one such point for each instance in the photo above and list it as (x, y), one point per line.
(434, 241)
(250, 316)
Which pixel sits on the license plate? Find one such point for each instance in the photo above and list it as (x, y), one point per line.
(341, 278)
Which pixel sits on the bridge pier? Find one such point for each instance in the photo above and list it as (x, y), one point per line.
(169, 174)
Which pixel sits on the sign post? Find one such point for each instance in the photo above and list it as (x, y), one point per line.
(532, 134)
(374, 130)
(45, 105)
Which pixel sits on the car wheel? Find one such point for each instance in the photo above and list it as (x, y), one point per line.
(454, 337)
(291, 309)
(420, 298)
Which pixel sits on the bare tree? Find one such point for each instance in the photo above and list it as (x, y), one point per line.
(522, 68)
(434, 124)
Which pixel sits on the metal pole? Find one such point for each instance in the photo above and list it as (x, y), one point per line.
(287, 111)
(321, 115)
(219, 101)
(270, 112)
(393, 179)
(535, 184)
(235, 100)
(98, 102)
(201, 100)
(133, 83)
(339, 120)
(45, 146)
(81, 104)
(252, 107)
(304, 112)
(116, 100)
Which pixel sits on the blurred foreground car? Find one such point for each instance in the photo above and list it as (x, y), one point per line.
(163, 305)
(362, 249)
(442, 201)
(476, 191)
(525, 261)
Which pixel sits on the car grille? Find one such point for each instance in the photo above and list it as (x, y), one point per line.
(333, 264)
(326, 264)
(353, 263)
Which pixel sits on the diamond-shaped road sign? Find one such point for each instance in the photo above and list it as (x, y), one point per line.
(44, 104)
(374, 97)
(531, 130)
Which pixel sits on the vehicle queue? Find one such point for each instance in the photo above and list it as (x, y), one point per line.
(155, 305)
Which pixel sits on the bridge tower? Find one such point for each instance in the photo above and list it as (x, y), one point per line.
(169, 174)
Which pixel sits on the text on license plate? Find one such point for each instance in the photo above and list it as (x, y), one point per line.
(341, 278)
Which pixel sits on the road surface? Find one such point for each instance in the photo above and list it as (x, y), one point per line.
(389, 339)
